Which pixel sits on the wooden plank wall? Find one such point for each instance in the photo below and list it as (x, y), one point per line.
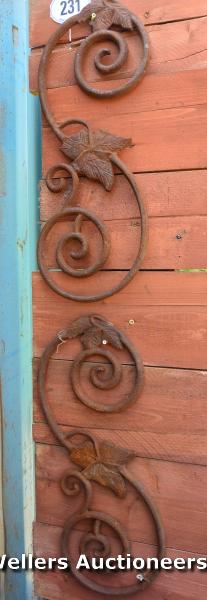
(167, 118)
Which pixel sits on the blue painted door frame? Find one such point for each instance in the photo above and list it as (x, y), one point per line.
(19, 172)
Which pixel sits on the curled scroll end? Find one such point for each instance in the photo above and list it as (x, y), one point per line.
(108, 19)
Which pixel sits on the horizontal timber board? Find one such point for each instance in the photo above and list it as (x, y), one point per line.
(168, 586)
(173, 243)
(174, 447)
(177, 489)
(173, 585)
(173, 47)
(150, 11)
(181, 90)
(173, 139)
(166, 194)
(181, 330)
(146, 289)
(165, 422)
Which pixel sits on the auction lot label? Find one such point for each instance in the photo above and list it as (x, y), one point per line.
(61, 10)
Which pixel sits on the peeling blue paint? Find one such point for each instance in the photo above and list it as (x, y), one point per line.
(19, 173)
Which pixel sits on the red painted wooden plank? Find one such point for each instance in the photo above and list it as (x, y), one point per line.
(155, 93)
(150, 11)
(181, 330)
(147, 289)
(173, 47)
(173, 243)
(179, 491)
(165, 422)
(164, 194)
(173, 139)
(175, 585)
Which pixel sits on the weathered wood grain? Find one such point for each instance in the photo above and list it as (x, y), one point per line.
(147, 289)
(175, 447)
(173, 139)
(155, 93)
(177, 489)
(150, 11)
(165, 422)
(62, 62)
(173, 47)
(173, 243)
(181, 330)
(164, 194)
(56, 585)
(167, 118)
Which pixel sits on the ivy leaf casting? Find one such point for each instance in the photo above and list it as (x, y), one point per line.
(107, 478)
(107, 13)
(90, 154)
(93, 333)
(103, 469)
(94, 337)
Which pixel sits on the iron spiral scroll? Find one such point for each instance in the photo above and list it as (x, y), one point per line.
(92, 154)
(101, 15)
(103, 463)
(95, 335)
(98, 461)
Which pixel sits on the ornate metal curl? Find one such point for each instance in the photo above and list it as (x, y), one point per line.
(101, 15)
(95, 334)
(100, 462)
(93, 154)
(103, 463)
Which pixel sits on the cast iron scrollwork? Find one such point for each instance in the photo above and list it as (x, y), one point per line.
(93, 154)
(95, 335)
(99, 462)
(101, 15)
(104, 463)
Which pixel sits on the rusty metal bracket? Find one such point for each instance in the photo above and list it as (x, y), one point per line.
(100, 462)
(93, 154)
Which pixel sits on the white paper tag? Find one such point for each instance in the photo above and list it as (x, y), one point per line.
(61, 10)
